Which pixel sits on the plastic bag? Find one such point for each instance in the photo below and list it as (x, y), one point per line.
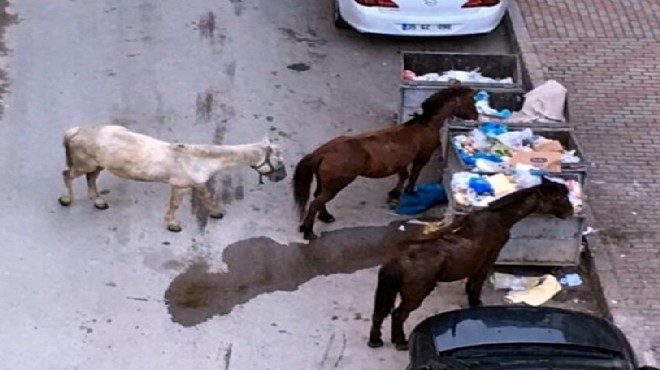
(569, 157)
(524, 177)
(480, 186)
(486, 165)
(515, 139)
(479, 140)
(461, 180)
(493, 129)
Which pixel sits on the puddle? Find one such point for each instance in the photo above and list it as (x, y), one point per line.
(261, 265)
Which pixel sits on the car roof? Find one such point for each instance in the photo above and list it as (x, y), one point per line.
(520, 325)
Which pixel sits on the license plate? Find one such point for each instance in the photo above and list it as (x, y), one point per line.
(425, 27)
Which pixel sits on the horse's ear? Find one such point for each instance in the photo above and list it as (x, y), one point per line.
(454, 84)
(545, 181)
(266, 140)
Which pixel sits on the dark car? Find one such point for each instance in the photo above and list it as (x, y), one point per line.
(519, 337)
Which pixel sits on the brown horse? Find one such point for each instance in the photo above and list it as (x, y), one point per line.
(377, 154)
(467, 248)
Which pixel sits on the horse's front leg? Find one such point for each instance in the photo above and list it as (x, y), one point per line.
(475, 282)
(412, 295)
(208, 201)
(92, 191)
(67, 195)
(417, 166)
(474, 286)
(394, 194)
(176, 197)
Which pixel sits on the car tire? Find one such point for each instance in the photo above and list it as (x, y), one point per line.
(340, 23)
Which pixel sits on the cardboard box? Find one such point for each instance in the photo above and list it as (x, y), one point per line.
(549, 161)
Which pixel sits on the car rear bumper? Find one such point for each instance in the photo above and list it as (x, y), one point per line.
(376, 21)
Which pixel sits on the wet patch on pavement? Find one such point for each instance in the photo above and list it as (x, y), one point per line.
(5, 21)
(261, 265)
(299, 67)
(312, 40)
(206, 25)
(239, 7)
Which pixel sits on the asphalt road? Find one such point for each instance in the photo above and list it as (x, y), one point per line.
(89, 289)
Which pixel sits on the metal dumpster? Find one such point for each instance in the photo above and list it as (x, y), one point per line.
(413, 93)
(565, 136)
(537, 240)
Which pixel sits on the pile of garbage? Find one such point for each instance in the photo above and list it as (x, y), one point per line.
(474, 190)
(463, 76)
(494, 148)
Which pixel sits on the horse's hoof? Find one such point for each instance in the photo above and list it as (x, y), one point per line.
(174, 228)
(401, 346)
(101, 206)
(375, 343)
(475, 303)
(326, 217)
(64, 202)
(393, 196)
(308, 235)
(217, 215)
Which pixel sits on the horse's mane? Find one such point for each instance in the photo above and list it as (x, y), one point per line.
(207, 151)
(439, 104)
(514, 197)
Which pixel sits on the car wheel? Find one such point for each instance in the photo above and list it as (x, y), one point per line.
(339, 20)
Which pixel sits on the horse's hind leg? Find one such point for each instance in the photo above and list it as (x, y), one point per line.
(328, 192)
(67, 195)
(92, 192)
(394, 194)
(324, 215)
(175, 202)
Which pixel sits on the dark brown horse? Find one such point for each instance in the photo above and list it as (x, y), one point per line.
(377, 154)
(468, 249)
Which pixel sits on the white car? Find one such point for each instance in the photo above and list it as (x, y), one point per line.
(420, 17)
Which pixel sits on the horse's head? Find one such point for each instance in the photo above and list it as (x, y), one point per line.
(461, 100)
(272, 163)
(554, 199)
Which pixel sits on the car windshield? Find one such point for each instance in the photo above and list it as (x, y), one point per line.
(537, 357)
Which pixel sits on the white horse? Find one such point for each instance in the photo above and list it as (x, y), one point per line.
(129, 155)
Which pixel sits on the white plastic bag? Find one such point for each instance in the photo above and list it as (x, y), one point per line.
(484, 165)
(515, 139)
(479, 140)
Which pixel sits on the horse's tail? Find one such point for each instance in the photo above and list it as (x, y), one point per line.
(302, 180)
(70, 133)
(389, 285)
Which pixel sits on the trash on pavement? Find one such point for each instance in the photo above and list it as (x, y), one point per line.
(425, 196)
(537, 295)
(571, 280)
(502, 281)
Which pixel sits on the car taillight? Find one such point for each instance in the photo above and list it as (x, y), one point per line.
(480, 3)
(379, 3)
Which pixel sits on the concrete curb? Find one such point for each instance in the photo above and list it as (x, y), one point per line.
(530, 60)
